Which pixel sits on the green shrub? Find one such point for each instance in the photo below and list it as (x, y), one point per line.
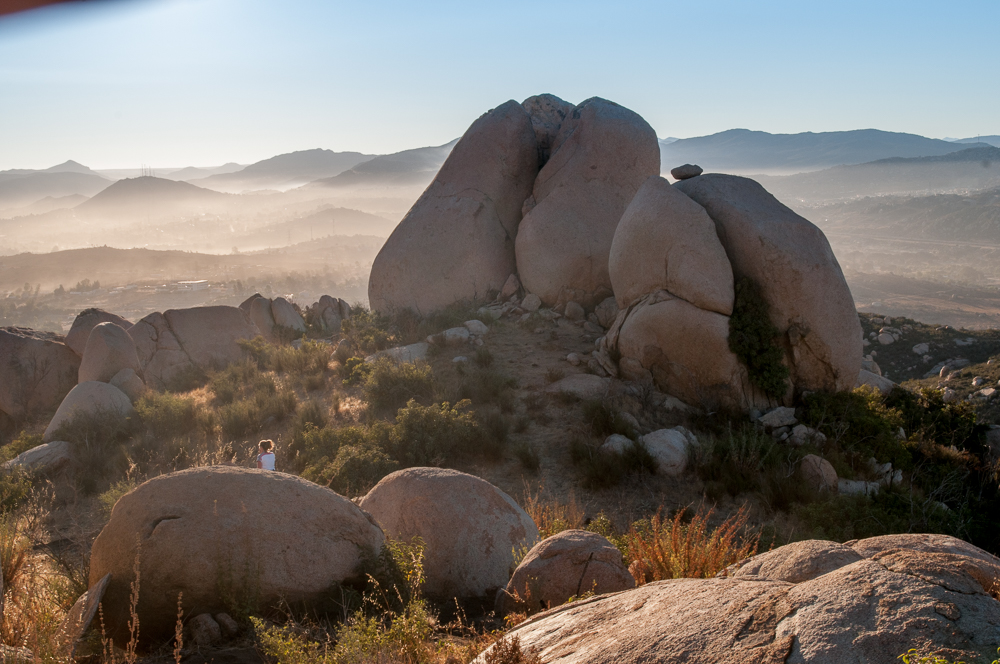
(604, 420)
(98, 440)
(489, 386)
(390, 385)
(369, 331)
(15, 487)
(434, 435)
(527, 455)
(165, 414)
(890, 511)
(753, 339)
(483, 357)
(356, 469)
(116, 491)
(602, 469)
(249, 415)
(190, 378)
(22, 443)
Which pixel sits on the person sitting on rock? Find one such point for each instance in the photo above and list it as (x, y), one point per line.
(265, 460)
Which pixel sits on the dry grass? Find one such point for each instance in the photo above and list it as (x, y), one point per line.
(674, 549)
(551, 516)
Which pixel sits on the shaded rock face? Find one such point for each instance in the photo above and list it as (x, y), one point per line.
(791, 261)
(457, 241)
(178, 340)
(600, 157)
(36, 371)
(569, 564)
(330, 313)
(547, 113)
(89, 398)
(469, 527)
(869, 610)
(221, 533)
(86, 321)
(109, 350)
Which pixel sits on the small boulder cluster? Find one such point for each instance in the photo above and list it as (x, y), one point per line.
(559, 209)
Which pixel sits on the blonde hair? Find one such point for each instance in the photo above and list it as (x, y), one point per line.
(266, 445)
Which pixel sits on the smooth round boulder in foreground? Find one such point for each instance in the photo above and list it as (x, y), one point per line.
(469, 527)
(222, 534)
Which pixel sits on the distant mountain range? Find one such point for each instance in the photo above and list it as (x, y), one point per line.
(743, 151)
(284, 171)
(22, 188)
(409, 167)
(991, 140)
(966, 170)
(151, 197)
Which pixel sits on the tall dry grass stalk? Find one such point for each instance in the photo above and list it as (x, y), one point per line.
(673, 549)
(551, 516)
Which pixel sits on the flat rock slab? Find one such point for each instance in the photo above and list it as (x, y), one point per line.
(582, 386)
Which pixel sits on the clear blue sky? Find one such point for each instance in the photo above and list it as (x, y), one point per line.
(186, 82)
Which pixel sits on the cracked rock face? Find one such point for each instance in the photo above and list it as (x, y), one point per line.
(224, 532)
(569, 564)
(469, 527)
(457, 241)
(179, 339)
(36, 371)
(799, 277)
(85, 322)
(600, 157)
(869, 610)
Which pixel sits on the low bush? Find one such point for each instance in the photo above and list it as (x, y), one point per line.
(601, 469)
(369, 331)
(389, 385)
(356, 469)
(528, 457)
(98, 441)
(605, 419)
(673, 549)
(488, 386)
(21, 443)
(436, 435)
(165, 414)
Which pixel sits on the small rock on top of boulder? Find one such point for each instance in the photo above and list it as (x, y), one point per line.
(215, 531)
(686, 172)
(469, 527)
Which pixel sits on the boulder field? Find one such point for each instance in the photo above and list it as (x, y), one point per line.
(565, 203)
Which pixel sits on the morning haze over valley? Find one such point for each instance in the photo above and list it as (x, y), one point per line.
(552, 332)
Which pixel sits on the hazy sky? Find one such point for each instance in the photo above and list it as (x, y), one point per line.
(202, 82)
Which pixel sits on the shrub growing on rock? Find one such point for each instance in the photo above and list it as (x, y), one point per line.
(753, 339)
(389, 385)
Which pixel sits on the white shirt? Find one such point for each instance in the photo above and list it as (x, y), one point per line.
(266, 460)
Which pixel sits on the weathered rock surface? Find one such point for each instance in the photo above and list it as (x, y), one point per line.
(86, 321)
(601, 156)
(215, 532)
(669, 448)
(865, 611)
(46, 459)
(203, 630)
(565, 565)
(666, 241)
(928, 543)
(685, 348)
(799, 561)
(469, 527)
(90, 398)
(178, 340)
(582, 386)
(791, 261)
(410, 353)
(286, 316)
(880, 383)
(258, 309)
(128, 382)
(457, 241)
(818, 473)
(78, 620)
(331, 313)
(686, 172)
(547, 113)
(36, 371)
(109, 349)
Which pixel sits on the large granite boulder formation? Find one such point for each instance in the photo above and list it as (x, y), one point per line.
(179, 340)
(792, 262)
(469, 527)
(457, 241)
(220, 535)
(86, 321)
(89, 398)
(601, 155)
(109, 349)
(845, 609)
(37, 369)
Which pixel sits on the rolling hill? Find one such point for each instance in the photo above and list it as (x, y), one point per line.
(969, 169)
(284, 171)
(990, 140)
(406, 168)
(151, 197)
(21, 189)
(743, 151)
